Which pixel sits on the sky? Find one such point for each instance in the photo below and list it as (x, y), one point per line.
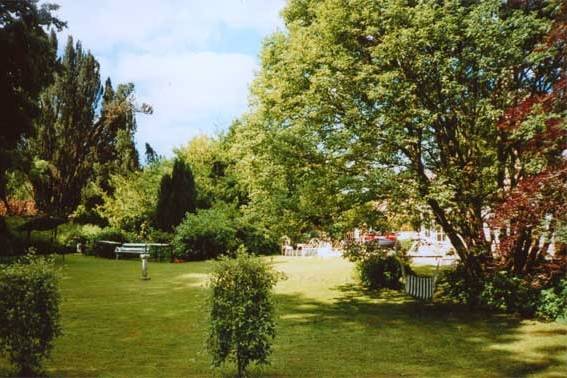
(192, 60)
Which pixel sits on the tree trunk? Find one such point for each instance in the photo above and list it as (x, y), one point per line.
(241, 366)
(463, 250)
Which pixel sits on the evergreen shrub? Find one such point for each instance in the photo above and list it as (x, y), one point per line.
(29, 313)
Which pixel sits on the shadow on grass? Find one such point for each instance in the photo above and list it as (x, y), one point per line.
(356, 333)
(388, 333)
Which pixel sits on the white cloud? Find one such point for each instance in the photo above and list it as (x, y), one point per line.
(149, 25)
(196, 91)
(167, 49)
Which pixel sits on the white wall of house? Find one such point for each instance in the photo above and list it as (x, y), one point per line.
(431, 246)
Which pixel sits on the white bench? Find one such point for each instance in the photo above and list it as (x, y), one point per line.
(132, 249)
(139, 249)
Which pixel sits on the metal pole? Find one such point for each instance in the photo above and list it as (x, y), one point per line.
(144, 257)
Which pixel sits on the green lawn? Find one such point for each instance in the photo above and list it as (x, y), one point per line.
(117, 325)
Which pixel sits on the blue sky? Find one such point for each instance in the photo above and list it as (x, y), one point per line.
(191, 60)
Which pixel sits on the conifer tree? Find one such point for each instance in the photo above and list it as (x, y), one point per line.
(177, 196)
(82, 129)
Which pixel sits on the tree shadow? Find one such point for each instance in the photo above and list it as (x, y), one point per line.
(387, 333)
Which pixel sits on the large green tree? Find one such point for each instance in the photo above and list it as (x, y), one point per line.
(82, 130)
(413, 90)
(213, 165)
(26, 67)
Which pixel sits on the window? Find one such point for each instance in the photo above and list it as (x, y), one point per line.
(441, 237)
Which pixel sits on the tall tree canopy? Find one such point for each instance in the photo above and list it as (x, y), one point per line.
(213, 168)
(82, 129)
(534, 213)
(26, 67)
(411, 91)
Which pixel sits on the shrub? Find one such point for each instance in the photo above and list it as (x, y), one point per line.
(80, 234)
(220, 230)
(498, 290)
(377, 267)
(29, 313)
(17, 207)
(256, 240)
(380, 271)
(96, 248)
(206, 234)
(552, 302)
(508, 293)
(459, 287)
(242, 324)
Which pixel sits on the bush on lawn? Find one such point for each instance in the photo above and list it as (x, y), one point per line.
(505, 292)
(29, 313)
(219, 230)
(377, 267)
(552, 302)
(206, 234)
(380, 271)
(502, 291)
(99, 249)
(458, 286)
(242, 320)
(255, 239)
(90, 237)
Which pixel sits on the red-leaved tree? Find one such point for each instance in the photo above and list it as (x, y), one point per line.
(535, 207)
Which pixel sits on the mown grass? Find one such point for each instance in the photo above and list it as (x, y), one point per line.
(117, 325)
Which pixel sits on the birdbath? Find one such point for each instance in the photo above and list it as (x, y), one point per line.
(144, 257)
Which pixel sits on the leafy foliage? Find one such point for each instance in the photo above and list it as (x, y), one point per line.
(377, 267)
(395, 100)
(132, 205)
(255, 238)
(214, 170)
(29, 313)
(535, 209)
(504, 291)
(75, 139)
(242, 323)
(151, 155)
(461, 287)
(553, 302)
(206, 234)
(26, 68)
(177, 196)
(220, 230)
(380, 272)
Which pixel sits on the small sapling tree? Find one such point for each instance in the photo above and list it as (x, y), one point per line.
(29, 313)
(242, 320)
